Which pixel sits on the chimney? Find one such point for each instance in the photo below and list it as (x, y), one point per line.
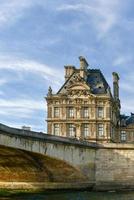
(116, 85)
(83, 67)
(69, 70)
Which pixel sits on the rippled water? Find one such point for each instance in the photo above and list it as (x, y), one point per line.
(74, 196)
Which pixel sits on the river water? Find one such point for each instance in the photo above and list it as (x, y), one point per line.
(74, 196)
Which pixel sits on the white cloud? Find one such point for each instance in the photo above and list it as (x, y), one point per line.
(1, 93)
(21, 108)
(31, 66)
(17, 109)
(19, 125)
(3, 81)
(121, 60)
(23, 103)
(103, 13)
(12, 10)
(127, 87)
(127, 106)
(127, 92)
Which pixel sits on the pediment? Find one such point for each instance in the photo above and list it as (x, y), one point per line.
(76, 86)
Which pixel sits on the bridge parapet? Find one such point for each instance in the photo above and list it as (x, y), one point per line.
(44, 137)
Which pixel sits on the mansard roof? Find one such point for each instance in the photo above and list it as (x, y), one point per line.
(95, 80)
(128, 119)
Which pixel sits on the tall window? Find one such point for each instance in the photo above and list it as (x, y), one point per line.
(71, 112)
(123, 136)
(71, 130)
(100, 130)
(85, 112)
(56, 129)
(100, 112)
(85, 130)
(56, 111)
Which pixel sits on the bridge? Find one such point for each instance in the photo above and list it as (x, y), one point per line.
(33, 160)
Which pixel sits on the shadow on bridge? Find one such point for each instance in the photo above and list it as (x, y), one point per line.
(23, 166)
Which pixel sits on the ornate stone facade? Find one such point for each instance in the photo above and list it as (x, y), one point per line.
(84, 107)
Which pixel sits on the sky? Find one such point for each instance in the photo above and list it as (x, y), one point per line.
(39, 37)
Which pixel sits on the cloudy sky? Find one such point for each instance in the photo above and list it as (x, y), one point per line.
(39, 37)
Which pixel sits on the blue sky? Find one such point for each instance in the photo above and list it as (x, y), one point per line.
(39, 37)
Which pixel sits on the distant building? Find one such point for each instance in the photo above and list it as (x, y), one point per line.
(26, 128)
(85, 108)
(126, 129)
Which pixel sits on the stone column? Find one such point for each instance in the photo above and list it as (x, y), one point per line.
(78, 130)
(94, 130)
(64, 110)
(107, 130)
(78, 110)
(49, 128)
(49, 113)
(93, 112)
(108, 112)
(63, 130)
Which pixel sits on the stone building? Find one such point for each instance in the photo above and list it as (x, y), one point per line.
(126, 129)
(84, 106)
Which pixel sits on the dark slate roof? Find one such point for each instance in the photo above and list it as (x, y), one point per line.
(128, 119)
(123, 117)
(97, 82)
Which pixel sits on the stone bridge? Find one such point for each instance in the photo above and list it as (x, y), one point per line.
(33, 160)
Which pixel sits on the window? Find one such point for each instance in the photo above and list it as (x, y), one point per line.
(56, 129)
(70, 112)
(85, 102)
(56, 112)
(71, 130)
(100, 112)
(85, 112)
(123, 136)
(100, 130)
(85, 130)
